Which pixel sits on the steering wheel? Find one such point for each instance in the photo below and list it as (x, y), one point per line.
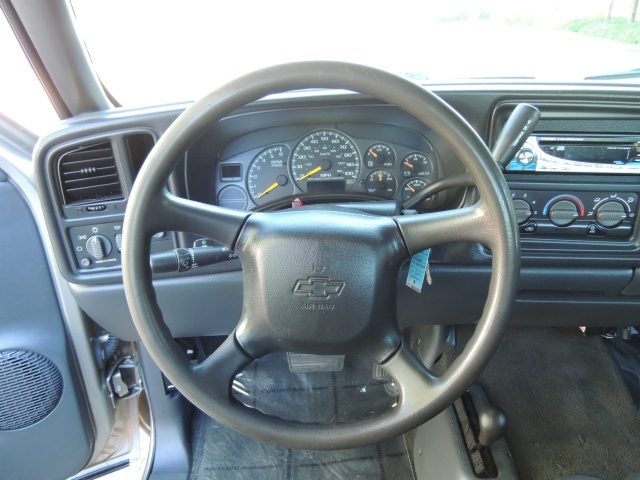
(349, 307)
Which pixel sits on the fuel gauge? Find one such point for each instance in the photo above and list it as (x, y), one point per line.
(380, 155)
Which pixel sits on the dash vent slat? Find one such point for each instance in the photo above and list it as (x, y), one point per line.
(89, 174)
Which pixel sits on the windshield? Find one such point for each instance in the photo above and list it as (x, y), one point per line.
(150, 51)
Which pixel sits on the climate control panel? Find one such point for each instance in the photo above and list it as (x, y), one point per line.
(576, 214)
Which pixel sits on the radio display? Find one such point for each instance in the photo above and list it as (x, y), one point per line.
(607, 155)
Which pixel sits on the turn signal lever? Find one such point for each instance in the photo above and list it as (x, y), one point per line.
(185, 259)
(515, 132)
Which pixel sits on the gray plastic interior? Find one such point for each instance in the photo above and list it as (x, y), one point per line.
(439, 450)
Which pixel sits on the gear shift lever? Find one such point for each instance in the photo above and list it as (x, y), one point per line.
(492, 422)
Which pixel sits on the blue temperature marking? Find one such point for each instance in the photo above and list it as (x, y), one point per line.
(564, 197)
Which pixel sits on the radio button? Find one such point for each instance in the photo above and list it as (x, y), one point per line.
(610, 214)
(563, 213)
(526, 156)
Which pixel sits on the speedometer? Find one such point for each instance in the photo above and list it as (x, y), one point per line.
(325, 161)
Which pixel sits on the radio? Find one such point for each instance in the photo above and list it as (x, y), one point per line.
(586, 154)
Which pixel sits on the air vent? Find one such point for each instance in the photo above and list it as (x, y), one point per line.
(89, 174)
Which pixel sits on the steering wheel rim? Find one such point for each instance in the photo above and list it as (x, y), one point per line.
(491, 221)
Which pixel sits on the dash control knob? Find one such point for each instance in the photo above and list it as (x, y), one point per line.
(610, 214)
(562, 213)
(99, 246)
(525, 156)
(522, 209)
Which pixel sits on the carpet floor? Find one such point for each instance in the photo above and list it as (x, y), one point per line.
(567, 407)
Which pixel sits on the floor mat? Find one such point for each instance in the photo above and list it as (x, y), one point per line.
(568, 410)
(324, 397)
(347, 395)
(626, 354)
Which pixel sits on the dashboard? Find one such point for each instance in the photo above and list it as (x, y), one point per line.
(578, 230)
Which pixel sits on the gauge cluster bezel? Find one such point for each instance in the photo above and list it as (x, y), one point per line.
(246, 151)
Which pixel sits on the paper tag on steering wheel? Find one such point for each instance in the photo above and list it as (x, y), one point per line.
(418, 270)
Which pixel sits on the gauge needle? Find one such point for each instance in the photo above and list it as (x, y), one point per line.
(375, 155)
(271, 187)
(408, 164)
(380, 176)
(413, 190)
(315, 170)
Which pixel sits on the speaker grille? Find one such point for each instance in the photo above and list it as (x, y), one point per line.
(30, 388)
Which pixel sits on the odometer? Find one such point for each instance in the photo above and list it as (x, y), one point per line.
(325, 155)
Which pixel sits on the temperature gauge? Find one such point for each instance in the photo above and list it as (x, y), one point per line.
(381, 183)
(413, 186)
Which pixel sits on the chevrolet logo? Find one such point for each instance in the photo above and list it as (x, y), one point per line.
(318, 288)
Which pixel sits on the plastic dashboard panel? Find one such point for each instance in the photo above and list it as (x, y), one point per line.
(564, 281)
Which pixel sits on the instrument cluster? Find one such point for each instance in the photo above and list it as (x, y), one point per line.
(326, 161)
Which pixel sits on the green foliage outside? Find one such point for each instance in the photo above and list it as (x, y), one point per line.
(618, 29)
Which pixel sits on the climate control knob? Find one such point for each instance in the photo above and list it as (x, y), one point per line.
(522, 209)
(610, 214)
(562, 213)
(99, 246)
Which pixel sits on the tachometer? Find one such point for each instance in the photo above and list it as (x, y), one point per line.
(325, 161)
(268, 176)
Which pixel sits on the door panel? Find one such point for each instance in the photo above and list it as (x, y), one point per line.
(45, 428)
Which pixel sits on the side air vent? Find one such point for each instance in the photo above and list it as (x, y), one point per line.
(88, 174)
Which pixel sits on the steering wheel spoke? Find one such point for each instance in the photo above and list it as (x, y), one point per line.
(172, 213)
(217, 371)
(418, 385)
(469, 224)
